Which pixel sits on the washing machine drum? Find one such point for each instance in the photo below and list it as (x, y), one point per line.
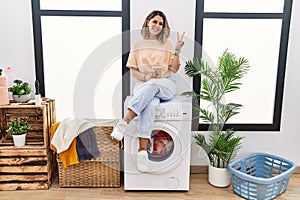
(165, 147)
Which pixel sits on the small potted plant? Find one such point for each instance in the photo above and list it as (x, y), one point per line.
(220, 145)
(20, 91)
(18, 129)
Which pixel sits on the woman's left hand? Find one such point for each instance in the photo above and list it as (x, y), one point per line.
(180, 41)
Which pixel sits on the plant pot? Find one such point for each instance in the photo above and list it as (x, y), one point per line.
(219, 177)
(19, 140)
(21, 98)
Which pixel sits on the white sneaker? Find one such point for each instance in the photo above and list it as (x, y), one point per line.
(142, 161)
(119, 130)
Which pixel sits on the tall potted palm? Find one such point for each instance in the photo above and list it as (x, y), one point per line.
(220, 145)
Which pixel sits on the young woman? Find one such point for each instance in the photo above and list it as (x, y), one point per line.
(151, 61)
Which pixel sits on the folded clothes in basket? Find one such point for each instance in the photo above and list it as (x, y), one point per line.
(74, 140)
(83, 147)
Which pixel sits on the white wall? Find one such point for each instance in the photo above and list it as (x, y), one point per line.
(16, 50)
(16, 39)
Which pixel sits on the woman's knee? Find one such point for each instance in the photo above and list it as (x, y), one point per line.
(152, 87)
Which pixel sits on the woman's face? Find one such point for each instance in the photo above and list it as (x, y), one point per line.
(155, 25)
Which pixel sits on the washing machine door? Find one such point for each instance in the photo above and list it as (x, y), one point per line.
(166, 148)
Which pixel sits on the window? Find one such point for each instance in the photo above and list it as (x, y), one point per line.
(74, 59)
(257, 30)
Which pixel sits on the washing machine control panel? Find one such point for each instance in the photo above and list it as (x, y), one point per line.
(176, 109)
(179, 108)
(168, 113)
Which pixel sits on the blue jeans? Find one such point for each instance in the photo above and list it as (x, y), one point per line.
(144, 103)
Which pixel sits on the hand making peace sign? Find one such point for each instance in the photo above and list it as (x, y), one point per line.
(180, 42)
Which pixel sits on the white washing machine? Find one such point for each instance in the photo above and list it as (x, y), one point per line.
(169, 162)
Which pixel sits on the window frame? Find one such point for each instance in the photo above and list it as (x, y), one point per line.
(37, 13)
(286, 17)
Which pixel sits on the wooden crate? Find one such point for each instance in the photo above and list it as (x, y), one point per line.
(25, 168)
(33, 165)
(40, 119)
(98, 172)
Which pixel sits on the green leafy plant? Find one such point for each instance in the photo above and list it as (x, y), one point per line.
(20, 88)
(18, 127)
(221, 145)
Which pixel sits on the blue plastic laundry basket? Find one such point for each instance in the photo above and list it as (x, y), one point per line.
(260, 176)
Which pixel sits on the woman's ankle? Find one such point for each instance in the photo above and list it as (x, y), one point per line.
(129, 116)
(143, 144)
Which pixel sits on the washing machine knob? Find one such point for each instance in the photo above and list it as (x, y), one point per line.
(160, 112)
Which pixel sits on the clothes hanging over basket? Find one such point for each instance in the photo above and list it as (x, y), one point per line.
(83, 147)
(69, 156)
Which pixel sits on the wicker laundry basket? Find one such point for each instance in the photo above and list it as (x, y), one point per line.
(99, 172)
